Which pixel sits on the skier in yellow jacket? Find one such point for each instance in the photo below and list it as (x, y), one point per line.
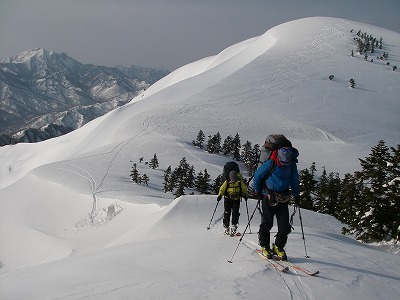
(232, 189)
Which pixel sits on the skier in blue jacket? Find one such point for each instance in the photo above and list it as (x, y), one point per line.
(275, 192)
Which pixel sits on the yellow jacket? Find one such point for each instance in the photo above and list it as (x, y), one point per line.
(231, 189)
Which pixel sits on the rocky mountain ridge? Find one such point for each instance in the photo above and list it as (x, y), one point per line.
(46, 94)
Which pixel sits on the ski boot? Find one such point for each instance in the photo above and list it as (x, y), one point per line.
(280, 252)
(267, 252)
(226, 230)
(233, 229)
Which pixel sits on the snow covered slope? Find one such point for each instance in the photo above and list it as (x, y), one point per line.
(73, 225)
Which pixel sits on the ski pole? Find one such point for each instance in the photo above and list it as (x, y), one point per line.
(248, 224)
(302, 231)
(248, 217)
(208, 228)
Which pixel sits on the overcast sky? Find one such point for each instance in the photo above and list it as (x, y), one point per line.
(163, 33)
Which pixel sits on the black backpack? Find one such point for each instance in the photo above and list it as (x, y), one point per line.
(228, 167)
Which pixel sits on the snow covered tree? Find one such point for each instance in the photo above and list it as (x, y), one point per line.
(393, 193)
(375, 218)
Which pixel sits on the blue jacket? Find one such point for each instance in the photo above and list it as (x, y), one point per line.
(282, 178)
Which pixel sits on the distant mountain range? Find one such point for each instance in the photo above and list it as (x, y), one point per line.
(44, 94)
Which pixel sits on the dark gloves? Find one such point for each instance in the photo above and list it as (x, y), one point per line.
(297, 200)
(219, 198)
(258, 195)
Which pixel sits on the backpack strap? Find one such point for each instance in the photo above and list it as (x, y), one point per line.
(226, 195)
(228, 181)
(267, 175)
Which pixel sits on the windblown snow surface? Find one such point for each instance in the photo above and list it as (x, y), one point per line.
(74, 226)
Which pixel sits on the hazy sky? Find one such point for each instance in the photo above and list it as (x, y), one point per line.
(163, 33)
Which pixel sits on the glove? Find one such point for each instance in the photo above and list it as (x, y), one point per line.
(258, 195)
(219, 198)
(297, 200)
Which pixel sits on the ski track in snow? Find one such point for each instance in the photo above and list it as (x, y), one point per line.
(296, 287)
(286, 76)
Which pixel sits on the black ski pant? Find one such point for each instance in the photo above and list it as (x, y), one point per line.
(231, 207)
(281, 211)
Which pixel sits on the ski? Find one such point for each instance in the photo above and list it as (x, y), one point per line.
(296, 267)
(235, 234)
(276, 264)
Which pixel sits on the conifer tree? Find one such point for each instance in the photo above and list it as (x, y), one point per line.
(198, 182)
(307, 186)
(349, 200)
(236, 147)
(247, 156)
(202, 182)
(328, 189)
(332, 201)
(321, 192)
(227, 145)
(200, 139)
(168, 186)
(352, 83)
(190, 176)
(374, 215)
(255, 159)
(181, 174)
(206, 182)
(154, 162)
(134, 174)
(393, 193)
(145, 179)
(217, 184)
(214, 143)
